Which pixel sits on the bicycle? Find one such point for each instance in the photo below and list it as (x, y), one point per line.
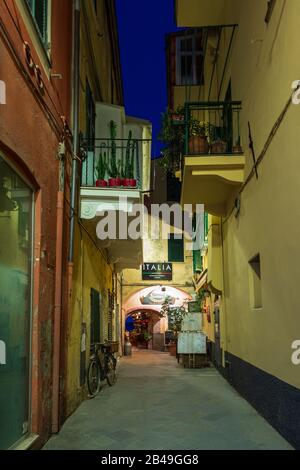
(102, 366)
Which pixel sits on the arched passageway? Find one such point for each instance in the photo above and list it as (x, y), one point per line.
(143, 321)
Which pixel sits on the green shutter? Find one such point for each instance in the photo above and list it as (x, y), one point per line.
(176, 249)
(39, 11)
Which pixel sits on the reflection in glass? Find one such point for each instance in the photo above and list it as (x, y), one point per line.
(15, 295)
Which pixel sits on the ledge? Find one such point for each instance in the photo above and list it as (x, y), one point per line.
(211, 180)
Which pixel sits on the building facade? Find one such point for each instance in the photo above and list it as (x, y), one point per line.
(246, 178)
(35, 161)
(115, 154)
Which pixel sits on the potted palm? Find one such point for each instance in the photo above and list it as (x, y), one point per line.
(101, 171)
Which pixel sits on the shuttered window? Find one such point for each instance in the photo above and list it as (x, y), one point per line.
(176, 249)
(39, 11)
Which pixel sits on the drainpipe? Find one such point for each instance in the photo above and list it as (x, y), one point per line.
(58, 298)
(60, 209)
(76, 81)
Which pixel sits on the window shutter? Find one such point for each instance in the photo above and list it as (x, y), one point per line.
(176, 249)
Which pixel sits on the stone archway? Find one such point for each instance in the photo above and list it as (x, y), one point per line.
(148, 302)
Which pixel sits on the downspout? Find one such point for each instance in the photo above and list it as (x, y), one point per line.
(59, 233)
(76, 82)
(58, 296)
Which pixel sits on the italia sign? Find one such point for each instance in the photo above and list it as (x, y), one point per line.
(157, 272)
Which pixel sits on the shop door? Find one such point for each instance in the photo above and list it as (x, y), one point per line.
(15, 305)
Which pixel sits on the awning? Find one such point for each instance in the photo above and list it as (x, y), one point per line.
(201, 281)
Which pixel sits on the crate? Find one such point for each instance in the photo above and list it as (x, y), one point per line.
(194, 361)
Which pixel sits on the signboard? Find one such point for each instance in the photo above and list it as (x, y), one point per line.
(157, 272)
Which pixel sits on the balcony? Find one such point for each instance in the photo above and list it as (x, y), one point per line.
(111, 184)
(198, 13)
(213, 165)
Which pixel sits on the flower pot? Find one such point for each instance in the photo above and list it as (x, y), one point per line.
(125, 182)
(237, 149)
(177, 118)
(101, 184)
(132, 183)
(114, 182)
(198, 145)
(173, 349)
(219, 147)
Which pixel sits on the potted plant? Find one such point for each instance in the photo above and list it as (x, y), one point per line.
(132, 180)
(126, 172)
(237, 148)
(175, 316)
(200, 134)
(172, 137)
(219, 144)
(113, 168)
(101, 171)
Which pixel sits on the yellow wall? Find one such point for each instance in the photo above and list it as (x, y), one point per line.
(91, 271)
(157, 251)
(263, 64)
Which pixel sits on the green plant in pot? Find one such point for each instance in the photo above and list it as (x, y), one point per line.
(129, 163)
(175, 317)
(132, 180)
(219, 144)
(100, 170)
(237, 148)
(200, 137)
(113, 167)
(172, 137)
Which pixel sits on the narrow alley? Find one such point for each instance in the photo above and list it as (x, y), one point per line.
(149, 225)
(157, 404)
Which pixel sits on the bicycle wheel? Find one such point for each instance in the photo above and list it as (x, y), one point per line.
(93, 378)
(111, 376)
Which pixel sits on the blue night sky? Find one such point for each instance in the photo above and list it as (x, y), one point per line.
(143, 25)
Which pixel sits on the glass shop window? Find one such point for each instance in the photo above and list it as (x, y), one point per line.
(16, 209)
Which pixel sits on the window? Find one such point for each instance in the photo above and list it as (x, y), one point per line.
(255, 282)
(90, 116)
(39, 11)
(189, 60)
(271, 5)
(176, 248)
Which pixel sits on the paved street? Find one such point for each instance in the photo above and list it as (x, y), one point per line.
(158, 405)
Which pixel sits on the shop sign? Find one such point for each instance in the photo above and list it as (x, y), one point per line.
(2, 353)
(157, 272)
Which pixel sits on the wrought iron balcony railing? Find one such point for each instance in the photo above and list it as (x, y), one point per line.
(212, 128)
(113, 163)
